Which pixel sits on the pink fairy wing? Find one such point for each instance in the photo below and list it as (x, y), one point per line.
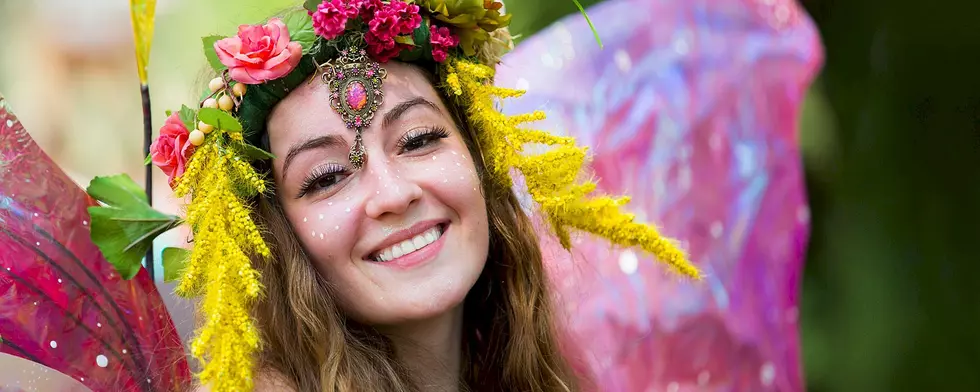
(61, 304)
(691, 108)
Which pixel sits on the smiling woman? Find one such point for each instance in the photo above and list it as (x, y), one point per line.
(355, 224)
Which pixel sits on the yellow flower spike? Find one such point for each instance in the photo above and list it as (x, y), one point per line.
(220, 267)
(551, 177)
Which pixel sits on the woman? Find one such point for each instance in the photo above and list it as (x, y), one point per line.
(375, 239)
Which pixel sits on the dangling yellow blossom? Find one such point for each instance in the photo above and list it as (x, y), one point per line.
(550, 176)
(224, 239)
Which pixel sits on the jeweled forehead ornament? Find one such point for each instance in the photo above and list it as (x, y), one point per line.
(355, 93)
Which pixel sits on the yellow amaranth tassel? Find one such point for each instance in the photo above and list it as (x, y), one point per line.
(550, 176)
(224, 239)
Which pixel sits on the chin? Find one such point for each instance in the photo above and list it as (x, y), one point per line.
(426, 291)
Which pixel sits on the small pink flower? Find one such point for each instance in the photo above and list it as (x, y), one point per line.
(368, 8)
(259, 53)
(408, 17)
(383, 51)
(384, 25)
(172, 148)
(442, 40)
(331, 16)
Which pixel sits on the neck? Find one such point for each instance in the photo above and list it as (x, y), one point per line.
(430, 350)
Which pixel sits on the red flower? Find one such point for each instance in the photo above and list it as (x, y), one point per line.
(442, 40)
(330, 18)
(387, 22)
(172, 148)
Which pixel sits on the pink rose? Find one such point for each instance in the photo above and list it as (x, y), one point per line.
(259, 53)
(172, 148)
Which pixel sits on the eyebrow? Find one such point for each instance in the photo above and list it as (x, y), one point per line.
(403, 107)
(310, 144)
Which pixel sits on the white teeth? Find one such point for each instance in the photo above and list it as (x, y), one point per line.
(409, 246)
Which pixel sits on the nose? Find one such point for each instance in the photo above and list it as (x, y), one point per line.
(391, 191)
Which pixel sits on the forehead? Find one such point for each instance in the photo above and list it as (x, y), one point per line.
(306, 111)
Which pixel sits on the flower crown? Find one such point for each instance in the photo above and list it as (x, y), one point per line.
(207, 151)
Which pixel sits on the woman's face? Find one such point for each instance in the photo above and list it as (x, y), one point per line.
(403, 238)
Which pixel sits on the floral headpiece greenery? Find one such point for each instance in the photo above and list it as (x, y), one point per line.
(207, 151)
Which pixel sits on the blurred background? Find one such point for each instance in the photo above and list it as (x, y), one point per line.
(889, 134)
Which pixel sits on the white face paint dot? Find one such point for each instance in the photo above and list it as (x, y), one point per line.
(628, 262)
(348, 209)
(433, 158)
(313, 233)
(321, 216)
(102, 361)
(304, 219)
(336, 227)
(329, 203)
(321, 236)
(54, 344)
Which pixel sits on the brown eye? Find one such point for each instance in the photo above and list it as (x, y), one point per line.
(418, 139)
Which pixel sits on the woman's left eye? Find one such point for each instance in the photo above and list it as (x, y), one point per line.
(417, 140)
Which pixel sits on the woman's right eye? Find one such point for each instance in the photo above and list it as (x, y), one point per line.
(321, 182)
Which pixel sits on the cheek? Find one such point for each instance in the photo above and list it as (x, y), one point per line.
(324, 229)
(453, 175)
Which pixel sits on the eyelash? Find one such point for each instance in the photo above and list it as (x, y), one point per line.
(405, 144)
(426, 135)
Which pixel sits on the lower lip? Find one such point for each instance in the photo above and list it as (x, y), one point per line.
(419, 256)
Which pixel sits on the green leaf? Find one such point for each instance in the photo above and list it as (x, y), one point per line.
(589, 21)
(211, 54)
(187, 116)
(300, 26)
(124, 226)
(255, 154)
(405, 39)
(174, 261)
(219, 119)
(148, 160)
(168, 113)
(310, 5)
(422, 49)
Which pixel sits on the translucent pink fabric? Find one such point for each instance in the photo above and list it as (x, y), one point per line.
(691, 108)
(61, 304)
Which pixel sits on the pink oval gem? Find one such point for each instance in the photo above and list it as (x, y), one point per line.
(356, 96)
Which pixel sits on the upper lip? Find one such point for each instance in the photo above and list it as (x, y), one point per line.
(406, 234)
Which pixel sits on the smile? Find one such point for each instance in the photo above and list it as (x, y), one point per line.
(410, 247)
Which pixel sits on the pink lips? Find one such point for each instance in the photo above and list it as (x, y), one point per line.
(420, 255)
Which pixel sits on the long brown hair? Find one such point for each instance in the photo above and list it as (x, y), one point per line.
(510, 342)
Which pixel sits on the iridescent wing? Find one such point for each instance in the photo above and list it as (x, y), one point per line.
(61, 304)
(692, 109)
